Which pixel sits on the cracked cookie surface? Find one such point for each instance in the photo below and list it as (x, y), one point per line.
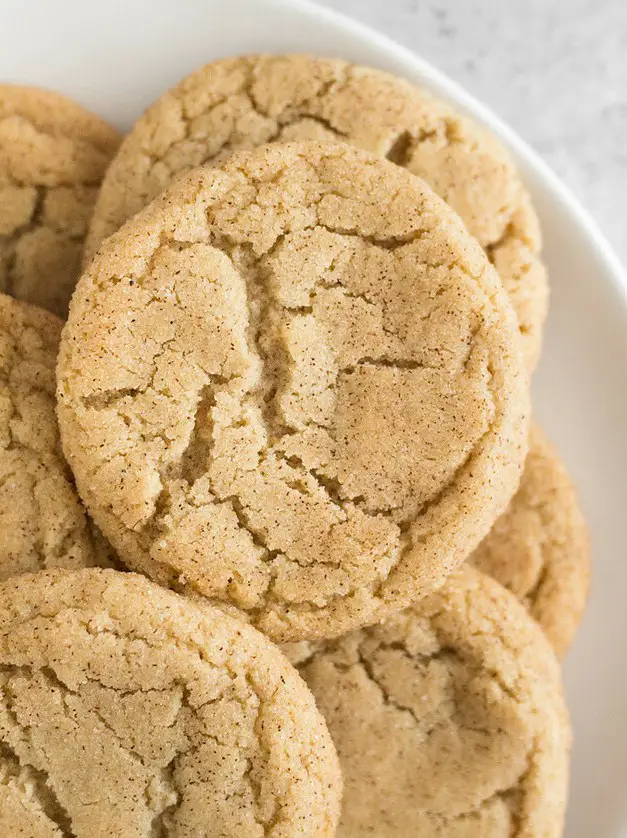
(127, 711)
(539, 548)
(42, 521)
(245, 102)
(294, 384)
(53, 154)
(448, 718)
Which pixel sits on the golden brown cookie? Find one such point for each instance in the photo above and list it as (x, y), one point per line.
(128, 711)
(294, 384)
(42, 521)
(53, 154)
(448, 719)
(244, 102)
(539, 548)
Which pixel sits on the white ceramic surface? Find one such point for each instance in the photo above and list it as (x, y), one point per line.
(116, 57)
(567, 95)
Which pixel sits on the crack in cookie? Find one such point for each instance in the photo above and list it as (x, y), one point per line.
(182, 720)
(53, 155)
(42, 522)
(28, 800)
(239, 104)
(448, 718)
(540, 548)
(293, 385)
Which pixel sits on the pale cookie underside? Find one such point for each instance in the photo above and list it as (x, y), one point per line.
(42, 521)
(293, 384)
(539, 548)
(53, 155)
(243, 103)
(128, 711)
(448, 719)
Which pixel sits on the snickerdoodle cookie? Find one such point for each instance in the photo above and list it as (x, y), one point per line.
(294, 383)
(448, 719)
(245, 102)
(539, 548)
(53, 154)
(126, 710)
(42, 521)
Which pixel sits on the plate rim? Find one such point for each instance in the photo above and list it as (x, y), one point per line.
(454, 92)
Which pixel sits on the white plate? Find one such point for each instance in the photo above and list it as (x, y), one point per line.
(116, 57)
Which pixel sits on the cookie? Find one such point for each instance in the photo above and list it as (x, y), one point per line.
(245, 102)
(127, 710)
(448, 719)
(294, 383)
(42, 521)
(539, 548)
(53, 154)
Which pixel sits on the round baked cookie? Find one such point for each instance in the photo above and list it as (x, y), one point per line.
(128, 710)
(294, 383)
(539, 548)
(245, 102)
(53, 154)
(448, 719)
(42, 521)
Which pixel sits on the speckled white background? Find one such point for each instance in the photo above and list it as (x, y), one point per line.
(556, 70)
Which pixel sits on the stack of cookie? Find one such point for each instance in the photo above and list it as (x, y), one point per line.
(293, 392)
